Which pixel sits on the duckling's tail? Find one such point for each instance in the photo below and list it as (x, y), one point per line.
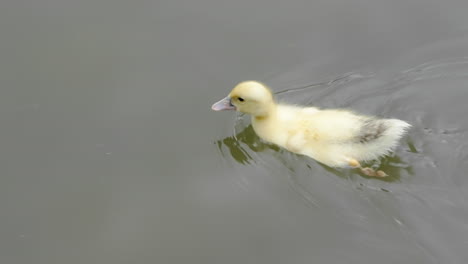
(394, 130)
(391, 131)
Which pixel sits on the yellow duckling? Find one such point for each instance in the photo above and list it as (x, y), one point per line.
(337, 138)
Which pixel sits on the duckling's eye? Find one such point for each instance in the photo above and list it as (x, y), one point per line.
(241, 99)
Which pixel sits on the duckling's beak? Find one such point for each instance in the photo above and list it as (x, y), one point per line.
(223, 104)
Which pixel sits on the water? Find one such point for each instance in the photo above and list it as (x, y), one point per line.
(110, 152)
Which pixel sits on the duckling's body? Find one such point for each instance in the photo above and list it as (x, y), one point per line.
(332, 137)
(337, 138)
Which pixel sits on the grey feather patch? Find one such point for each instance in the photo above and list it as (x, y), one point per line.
(371, 129)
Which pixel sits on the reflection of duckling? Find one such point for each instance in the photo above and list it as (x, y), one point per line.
(337, 138)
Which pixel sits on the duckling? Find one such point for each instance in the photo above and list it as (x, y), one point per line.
(335, 137)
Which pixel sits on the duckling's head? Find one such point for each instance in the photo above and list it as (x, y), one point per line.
(250, 97)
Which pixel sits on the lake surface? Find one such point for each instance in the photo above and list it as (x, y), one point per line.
(110, 152)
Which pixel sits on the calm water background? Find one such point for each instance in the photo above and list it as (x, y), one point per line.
(110, 152)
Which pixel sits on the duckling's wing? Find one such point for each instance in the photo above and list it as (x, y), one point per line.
(370, 130)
